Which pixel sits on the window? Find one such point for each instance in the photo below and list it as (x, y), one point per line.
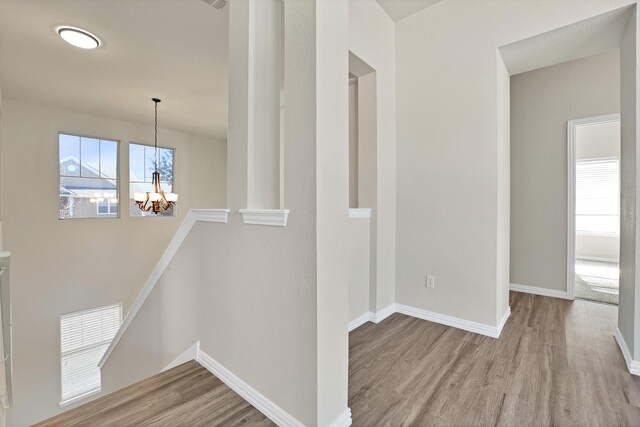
(84, 337)
(88, 177)
(598, 196)
(142, 161)
(107, 207)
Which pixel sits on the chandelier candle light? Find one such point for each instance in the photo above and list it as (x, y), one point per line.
(156, 201)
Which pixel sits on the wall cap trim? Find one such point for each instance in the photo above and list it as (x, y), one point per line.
(360, 213)
(211, 215)
(272, 217)
(193, 216)
(632, 365)
(538, 291)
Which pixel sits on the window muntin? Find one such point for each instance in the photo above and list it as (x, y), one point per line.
(142, 160)
(84, 337)
(88, 175)
(598, 196)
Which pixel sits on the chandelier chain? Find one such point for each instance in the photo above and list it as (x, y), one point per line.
(155, 144)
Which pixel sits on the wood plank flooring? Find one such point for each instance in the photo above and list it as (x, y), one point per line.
(556, 363)
(187, 395)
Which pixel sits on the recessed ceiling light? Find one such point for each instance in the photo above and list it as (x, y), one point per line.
(78, 38)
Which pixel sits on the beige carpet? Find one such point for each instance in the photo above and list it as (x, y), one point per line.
(597, 281)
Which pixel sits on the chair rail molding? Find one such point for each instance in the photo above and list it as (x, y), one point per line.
(272, 217)
(193, 216)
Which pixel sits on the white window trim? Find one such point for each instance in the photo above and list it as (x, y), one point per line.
(89, 393)
(83, 396)
(117, 178)
(596, 234)
(571, 192)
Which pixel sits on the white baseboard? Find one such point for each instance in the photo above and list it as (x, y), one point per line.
(443, 319)
(370, 316)
(255, 398)
(383, 313)
(538, 291)
(343, 420)
(359, 321)
(467, 325)
(189, 354)
(504, 319)
(248, 393)
(632, 365)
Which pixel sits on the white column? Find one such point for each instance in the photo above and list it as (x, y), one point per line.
(255, 59)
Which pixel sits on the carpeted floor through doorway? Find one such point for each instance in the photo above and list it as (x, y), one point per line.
(597, 281)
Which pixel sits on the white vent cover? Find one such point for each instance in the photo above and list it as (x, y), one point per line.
(218, 4)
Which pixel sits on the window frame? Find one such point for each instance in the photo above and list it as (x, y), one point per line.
(118, 176)
(173, 183)
(85, 394)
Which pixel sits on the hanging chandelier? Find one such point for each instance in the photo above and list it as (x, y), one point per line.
(157, 200)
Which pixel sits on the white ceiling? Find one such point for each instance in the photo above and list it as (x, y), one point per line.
(398, 9)
(176, 50)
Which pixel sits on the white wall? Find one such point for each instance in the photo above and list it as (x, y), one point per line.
(64, 266)
(542, 101)
(629, 304)
(332, 171)
(504, 187)
(277, 294)
(359, 263)
(353, 143)
(1, 248)
(368, 141)
(448, 172)
(372, 37)
(603, 139)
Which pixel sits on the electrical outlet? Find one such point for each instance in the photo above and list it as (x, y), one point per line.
(431, 282)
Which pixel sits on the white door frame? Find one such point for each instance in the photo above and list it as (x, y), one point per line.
(572, 125)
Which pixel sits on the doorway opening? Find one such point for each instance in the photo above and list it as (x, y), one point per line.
(594, 208)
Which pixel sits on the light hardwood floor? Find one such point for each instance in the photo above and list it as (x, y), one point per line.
(556, 363)
(187, 395)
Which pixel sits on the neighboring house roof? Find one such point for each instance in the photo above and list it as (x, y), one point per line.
(85, 185)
